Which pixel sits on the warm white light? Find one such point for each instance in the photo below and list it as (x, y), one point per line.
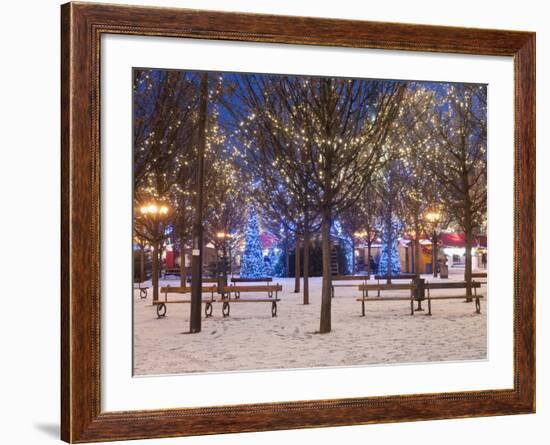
(433, 217)
(460, 251)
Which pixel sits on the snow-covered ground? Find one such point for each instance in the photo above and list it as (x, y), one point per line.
(251, 339)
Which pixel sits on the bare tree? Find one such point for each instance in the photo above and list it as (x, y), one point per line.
(456, 155)
(363, 219)
(281, 189)
(338, 125)
(164, 131)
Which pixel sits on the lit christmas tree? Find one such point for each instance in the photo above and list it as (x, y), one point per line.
(252, 265)
(390, 263)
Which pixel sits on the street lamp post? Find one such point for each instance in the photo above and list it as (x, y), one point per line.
(156, 213)
(434, 217)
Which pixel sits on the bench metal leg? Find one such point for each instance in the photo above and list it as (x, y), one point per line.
(429, 306)
(478, 306)
(225, 309)
(363, 308)
(208, 309)
(142, 293)
(273, 308)
(161, 310)
(412, 306)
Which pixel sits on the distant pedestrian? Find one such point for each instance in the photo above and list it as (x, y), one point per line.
(372, 265)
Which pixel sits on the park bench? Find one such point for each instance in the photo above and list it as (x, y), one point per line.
(347, 279)
(271, 289)
(417, 294)
(171, 271)
(142, 291)
(265, 280)
(480, 275)
(378, 287)
(161, 305)
(475, 285)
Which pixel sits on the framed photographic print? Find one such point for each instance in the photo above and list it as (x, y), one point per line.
(366, 188)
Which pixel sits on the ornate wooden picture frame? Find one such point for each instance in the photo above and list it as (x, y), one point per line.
(82, 26)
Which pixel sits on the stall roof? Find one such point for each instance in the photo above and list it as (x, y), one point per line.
(459, 240)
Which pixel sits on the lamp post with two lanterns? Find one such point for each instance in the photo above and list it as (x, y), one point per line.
(153, 216)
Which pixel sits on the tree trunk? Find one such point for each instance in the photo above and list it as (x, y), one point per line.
(297, 265)
(325, 295)
(287, 253)
(141, 263)
(287, 260)
(183, 274)
(196, 254)
(369, 253)
(155, 271)
(306, 267)
(416, 257)
(468, 261)
(389, 227)
(352, 255)
(230, 254)
(434, 254)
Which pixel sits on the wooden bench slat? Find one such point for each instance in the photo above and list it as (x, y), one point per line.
(383, 286)
(405, 276)
(385, 299)
(350, 278)
(248, 300)
(251, 280)
(479, 274)
(451, 285)
(265, 288)
(181, 301)
(186, 289)
(454, 297)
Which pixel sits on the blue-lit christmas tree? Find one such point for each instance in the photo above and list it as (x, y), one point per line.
(390, 263)
(252, 265)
